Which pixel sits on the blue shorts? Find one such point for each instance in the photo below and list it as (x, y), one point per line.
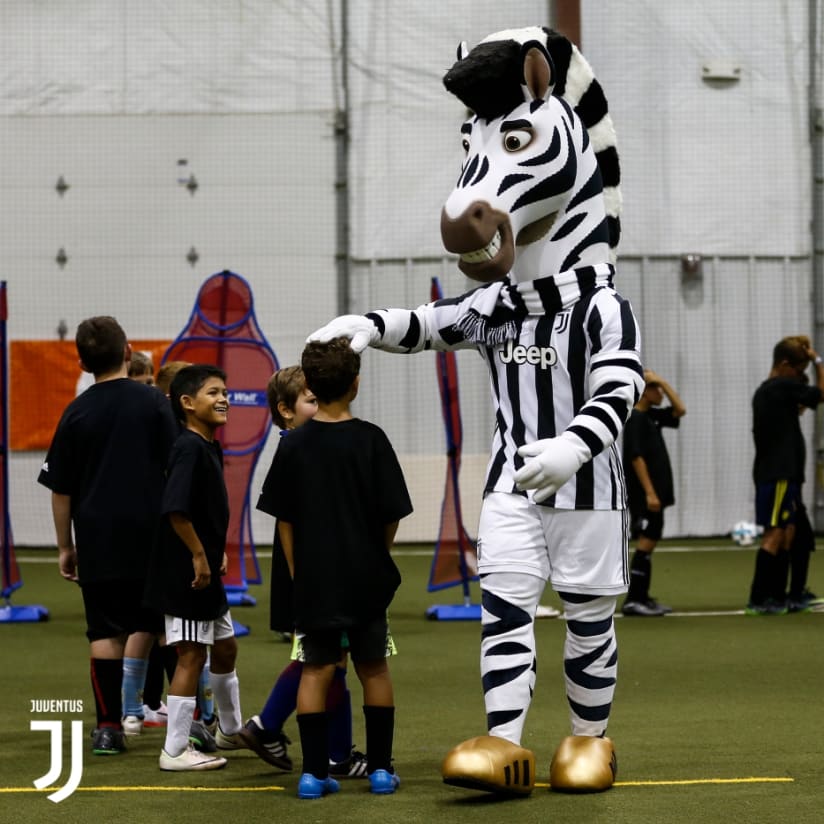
(777, 503)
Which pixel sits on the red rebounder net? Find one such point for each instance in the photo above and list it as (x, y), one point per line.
(223, 330)
(10, 578)
(455, 560)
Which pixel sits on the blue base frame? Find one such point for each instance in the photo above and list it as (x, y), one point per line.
(240, 629)
(454, 612)
(23, 614)
(240, 599)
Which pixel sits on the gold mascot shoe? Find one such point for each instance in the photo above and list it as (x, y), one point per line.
(583, 764)
(491, 764)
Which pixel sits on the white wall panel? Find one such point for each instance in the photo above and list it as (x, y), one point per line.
(264, 208)
(710, 167)
(151, 56)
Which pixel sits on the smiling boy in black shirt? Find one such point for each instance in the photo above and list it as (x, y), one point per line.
(188, 560)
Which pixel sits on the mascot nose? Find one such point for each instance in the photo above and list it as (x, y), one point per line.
(471, 230)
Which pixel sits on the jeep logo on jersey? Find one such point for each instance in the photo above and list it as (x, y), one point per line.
(247, 397)
(543, 356)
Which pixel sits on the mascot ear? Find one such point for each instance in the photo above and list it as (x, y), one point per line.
(463, 50)
(539, 72)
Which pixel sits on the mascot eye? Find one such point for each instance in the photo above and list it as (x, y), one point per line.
(517, 139)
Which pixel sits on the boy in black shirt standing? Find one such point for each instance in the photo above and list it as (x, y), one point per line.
(649, 485)
(778, 469)
(105, 471)
(339, 494)
(187, 562)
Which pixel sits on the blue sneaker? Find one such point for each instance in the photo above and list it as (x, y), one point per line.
(383, 782)
(311, 787)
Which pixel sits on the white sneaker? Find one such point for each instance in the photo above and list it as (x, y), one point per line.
(229, 742)
(190, 759)
(132, 725)
(155, 718)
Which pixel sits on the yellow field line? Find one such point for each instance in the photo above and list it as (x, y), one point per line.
(687, 782)
(690, 781)
(154, 789)
(693, 781)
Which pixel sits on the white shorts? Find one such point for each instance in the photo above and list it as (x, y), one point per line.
(200, 632)
(576, 550)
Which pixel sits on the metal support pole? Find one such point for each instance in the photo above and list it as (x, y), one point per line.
(341, 127)
(816, 120)
(565, 17)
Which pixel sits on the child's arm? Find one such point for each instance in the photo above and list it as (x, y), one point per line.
(67, 555)
(389, 532)
(186, 532)
(640, 467)
(287, 541)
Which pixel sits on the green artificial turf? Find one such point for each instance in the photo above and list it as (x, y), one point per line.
(716, 718)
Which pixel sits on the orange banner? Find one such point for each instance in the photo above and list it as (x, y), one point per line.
(43, 380)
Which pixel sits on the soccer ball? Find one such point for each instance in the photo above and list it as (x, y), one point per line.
(744, 533)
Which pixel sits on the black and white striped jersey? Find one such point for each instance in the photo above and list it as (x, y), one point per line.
(576, 371)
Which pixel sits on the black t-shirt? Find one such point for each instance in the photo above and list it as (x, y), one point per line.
(195, 488)
(109, 455)
(339, 485)
(643, 439)
(281, 611)
(779, 444)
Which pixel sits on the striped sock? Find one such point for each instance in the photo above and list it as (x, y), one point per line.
(590, 661)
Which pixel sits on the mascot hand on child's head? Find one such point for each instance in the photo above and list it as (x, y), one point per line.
(360, 330)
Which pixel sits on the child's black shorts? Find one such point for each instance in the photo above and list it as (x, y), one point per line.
(367, 642)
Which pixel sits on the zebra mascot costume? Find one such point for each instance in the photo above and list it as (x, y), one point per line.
(534, 218)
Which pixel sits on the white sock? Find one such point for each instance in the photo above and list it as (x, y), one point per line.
(226, 689)
(181, 709)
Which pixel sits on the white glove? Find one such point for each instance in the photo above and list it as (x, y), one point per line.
(554, 462)
(359, 329)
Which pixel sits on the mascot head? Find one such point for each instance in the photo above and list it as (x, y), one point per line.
(538, 190)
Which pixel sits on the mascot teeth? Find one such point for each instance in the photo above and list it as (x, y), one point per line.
(487, 253)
